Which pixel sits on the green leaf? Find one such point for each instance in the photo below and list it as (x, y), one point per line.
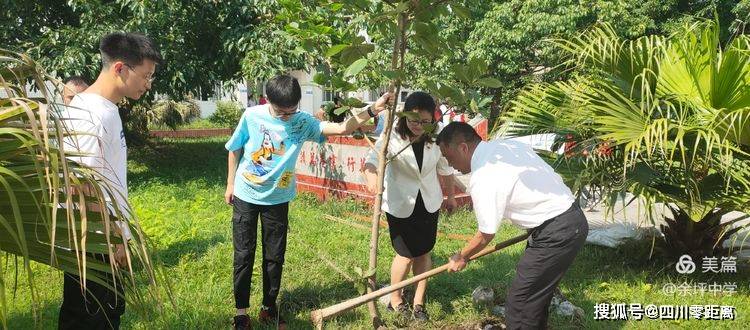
(461, 11)
(354, 102)
(490, 83)
(429, 44)
(429, 129)
(484, 102)
(335, 50)
(342, 85)
(432, 86)
(370, 273)
(423, 29)
(473, 106)
(461, 73)
(321, 78)
(393, 75)
(353, 53)
(355, 67)
(361, 287)
(341, 110)
(476, 68)
(449, 91)
(408, 114)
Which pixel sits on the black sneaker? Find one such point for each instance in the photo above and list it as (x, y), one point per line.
(420, 314)
(241, 322)
(402, 310)
(270, 315)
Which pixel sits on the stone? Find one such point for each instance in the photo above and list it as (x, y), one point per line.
(499, 310)
(483, 295)
(384, 300)
(566, 308)
(555, 302)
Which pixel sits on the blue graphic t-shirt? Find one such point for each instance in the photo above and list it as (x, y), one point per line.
(265, 175)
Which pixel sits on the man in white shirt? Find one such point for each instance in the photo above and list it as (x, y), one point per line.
(128, 64)
(509, 180)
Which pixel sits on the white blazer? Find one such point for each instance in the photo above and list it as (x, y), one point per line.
(403, 179)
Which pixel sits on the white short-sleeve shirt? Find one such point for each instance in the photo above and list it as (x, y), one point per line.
(103, 142)
(509, 180)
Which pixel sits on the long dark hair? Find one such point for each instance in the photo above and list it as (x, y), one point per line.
(422, 102)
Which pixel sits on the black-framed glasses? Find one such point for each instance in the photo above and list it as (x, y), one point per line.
(284, 114)
(420, 122)
(150, 78)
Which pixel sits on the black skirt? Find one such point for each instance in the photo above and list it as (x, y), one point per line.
(414, 236)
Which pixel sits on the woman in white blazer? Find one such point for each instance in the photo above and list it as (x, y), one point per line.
(412, 197)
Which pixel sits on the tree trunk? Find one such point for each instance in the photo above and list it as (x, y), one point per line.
(397, 61)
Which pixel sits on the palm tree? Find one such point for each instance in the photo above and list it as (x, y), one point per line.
(662, 118)
(39, 219)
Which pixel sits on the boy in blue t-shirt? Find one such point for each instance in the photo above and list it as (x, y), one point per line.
(263, 153)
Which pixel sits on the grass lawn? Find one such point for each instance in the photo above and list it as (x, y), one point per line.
(177, 193)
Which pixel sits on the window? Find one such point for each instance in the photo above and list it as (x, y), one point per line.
(328, 94)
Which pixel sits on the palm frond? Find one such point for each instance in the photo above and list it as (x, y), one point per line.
(671, 112)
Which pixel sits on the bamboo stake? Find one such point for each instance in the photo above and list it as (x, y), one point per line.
(319, 315)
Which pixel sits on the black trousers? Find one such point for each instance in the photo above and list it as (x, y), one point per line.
(274, 221)
(100, 307)
(550, 251)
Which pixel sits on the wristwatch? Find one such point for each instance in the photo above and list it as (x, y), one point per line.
(369, 112)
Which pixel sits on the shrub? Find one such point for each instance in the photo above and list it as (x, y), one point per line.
(173, 114)
(227, 114)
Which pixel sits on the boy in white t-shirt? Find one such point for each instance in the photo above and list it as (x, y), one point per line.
(128, 64)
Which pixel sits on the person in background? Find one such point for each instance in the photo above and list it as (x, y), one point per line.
(251, 100)
(73, 85)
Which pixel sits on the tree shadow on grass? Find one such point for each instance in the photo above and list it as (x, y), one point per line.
(48, 314)
(296, 304)
(180, 161)
(196, 247)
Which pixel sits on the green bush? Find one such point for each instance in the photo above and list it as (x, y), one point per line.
(227, 114)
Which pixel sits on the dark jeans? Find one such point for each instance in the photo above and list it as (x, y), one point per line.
(274, 221)
(550, 251)
(100, 308)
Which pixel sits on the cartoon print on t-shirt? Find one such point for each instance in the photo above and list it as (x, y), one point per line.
(261, 160)
(285, 179)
